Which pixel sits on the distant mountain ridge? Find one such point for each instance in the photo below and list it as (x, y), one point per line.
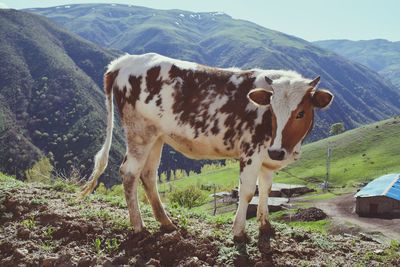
(216, 39)
(380, 55)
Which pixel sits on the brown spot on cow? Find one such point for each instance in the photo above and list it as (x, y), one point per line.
(242, 164)
(109, 79)
(153, 84)
(299, 123)
(264, 130)
(194, 87)
(120, 95)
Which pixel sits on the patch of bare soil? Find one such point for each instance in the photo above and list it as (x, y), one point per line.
(307, 215)
(40, 226)
(342, 209)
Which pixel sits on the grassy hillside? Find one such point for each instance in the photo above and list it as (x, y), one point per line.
(358, 155)
(51, 101)
(217, 39)
(380, 55)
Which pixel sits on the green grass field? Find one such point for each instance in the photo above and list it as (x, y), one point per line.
(358, 155)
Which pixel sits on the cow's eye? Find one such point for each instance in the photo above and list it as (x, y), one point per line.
(300, 115)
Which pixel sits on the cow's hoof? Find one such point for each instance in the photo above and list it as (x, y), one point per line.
(141, 234)
(168, 228)
(241, 243)
(264, 244)
(264, 247)
(241, 248)
(241, 261)
(267, 230)
(243, 238)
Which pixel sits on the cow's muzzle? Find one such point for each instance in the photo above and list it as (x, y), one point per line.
(276, 154)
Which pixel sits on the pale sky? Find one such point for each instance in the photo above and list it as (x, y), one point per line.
(308, 19)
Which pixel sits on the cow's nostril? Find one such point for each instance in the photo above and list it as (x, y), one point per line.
(276, 154)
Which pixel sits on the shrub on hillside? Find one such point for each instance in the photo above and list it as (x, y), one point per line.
(188, 197)
(40, 171)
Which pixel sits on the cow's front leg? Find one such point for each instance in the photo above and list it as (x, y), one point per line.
(249, 169)
(266, 230)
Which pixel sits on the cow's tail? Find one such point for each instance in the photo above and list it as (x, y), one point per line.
(101, 158)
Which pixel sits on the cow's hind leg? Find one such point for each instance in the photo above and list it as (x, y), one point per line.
(149, 179)
(140, 143)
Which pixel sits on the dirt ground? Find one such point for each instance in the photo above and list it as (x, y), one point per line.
(342, 209)
(41, 226)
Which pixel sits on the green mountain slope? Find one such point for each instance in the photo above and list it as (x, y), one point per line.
(51, 103)
(380, 55)
(358, 155)
(216, 39)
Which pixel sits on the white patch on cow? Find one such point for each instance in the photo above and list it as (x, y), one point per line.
(236, 80)
(138, 65)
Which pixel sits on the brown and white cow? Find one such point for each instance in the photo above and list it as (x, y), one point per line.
(257, 116)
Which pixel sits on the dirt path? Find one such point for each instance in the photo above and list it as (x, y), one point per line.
(342, 209)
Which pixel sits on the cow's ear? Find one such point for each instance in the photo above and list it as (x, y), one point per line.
(322, 98)
(260, 96)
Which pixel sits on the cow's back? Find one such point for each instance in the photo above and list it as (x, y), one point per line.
(192, 104)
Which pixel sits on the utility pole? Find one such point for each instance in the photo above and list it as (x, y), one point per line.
(215, 200)
(328, 166)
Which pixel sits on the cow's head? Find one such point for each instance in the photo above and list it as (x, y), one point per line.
(292, 102)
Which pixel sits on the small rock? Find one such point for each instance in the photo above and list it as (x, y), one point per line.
(263, 264)
(107, 263)
(43, 208)
(23, 233)
(173, 237)
(20, 253)
(121, 260)
(86, 261)
(378, 251)
(83, 228)
(50, 261)
(75, 234)
(136, 261)
(153, 263)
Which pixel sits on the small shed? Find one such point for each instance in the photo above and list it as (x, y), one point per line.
(274, 204)
(288, 190)
(280, 190)
(380, 197)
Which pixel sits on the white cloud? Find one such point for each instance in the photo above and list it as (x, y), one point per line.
(2, 5)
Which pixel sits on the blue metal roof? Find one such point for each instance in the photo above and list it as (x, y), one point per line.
(386, 185)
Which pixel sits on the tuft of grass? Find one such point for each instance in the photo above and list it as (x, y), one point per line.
(49, 231)
(97, 245)
(29, 223)
(321, 226)
(39, 201)
(65, 186)
(47, 246)
(8, 182)
(112, 245)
